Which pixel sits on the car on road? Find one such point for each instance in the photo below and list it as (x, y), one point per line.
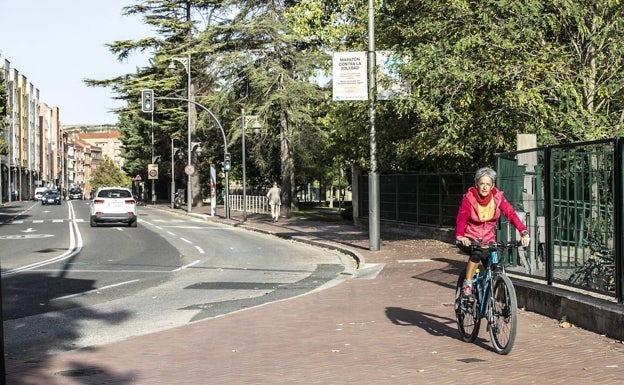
(113, 205)
(51, 197)
(75, 193)
(39, 191)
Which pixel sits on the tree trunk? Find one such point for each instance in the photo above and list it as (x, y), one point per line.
(287, 167)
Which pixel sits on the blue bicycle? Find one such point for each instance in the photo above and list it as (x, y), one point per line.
(494, 299)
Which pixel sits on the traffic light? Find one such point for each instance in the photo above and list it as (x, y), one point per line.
(227, 163)
(147, 101)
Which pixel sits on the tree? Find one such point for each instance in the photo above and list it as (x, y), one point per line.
(108, 174)
(176, 24)
(262, 66)
(482, 72)
(592, 95)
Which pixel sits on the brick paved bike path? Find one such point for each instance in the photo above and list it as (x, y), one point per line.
(395, 328)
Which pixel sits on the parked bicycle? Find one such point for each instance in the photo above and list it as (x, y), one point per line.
(494, 299)
(598, 271)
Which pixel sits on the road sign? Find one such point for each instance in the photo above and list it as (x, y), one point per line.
(152, 171)
(189, 169)
(153, 174)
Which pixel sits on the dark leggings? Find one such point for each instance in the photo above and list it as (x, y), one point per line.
(476, 255)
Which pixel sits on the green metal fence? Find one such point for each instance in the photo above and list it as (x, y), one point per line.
(567, 195)
(423, 199)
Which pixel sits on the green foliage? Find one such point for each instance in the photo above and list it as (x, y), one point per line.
(108, 174)
(481, 72)
(266, 70)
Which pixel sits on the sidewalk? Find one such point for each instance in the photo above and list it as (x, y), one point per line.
(397, 327)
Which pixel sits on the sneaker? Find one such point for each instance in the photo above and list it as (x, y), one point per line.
(467, 290)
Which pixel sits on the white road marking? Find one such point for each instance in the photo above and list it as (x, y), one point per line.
(75, 245)
(187, 266)
(94, 290)
(28, 236)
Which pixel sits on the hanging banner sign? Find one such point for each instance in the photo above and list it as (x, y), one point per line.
(350, 80)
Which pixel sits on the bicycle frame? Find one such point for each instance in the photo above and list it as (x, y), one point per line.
(483, 283)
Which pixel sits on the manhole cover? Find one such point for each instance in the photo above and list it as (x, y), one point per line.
(86, 372)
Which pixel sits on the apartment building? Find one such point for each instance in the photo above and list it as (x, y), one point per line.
(41, 151)
(89, 144)
(21, 166)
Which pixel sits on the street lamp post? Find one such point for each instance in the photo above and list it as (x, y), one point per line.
(186, 62)
(256, 127)
(153, 161)
(173, 150)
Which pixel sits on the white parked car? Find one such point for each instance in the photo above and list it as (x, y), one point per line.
(113, 205)
(39, 192)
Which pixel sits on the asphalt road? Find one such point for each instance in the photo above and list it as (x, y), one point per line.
(67, 285)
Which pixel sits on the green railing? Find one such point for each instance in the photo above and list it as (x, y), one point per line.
(565, 194)
(422, 199)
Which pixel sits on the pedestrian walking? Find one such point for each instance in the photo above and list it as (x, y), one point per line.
(274, 197)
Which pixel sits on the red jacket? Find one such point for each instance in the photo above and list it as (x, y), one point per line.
(469, 225)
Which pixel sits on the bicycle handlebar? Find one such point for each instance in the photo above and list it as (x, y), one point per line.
(493, 244)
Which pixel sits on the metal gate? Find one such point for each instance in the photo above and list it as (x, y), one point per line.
(570, 197)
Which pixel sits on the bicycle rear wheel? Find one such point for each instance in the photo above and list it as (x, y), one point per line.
(466, 313)
(504, 313)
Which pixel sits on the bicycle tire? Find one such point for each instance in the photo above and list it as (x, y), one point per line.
(504, 311)
(468, 319)
(605, 279)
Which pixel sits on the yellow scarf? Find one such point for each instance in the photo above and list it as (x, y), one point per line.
(486, 212)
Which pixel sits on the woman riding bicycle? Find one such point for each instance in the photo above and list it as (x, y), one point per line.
(478, 212)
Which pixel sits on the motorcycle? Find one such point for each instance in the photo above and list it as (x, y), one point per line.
(178, 201)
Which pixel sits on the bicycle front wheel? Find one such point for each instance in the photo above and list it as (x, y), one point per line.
(504, 313)
(466, 313)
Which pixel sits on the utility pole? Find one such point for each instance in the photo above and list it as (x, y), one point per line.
(373, 176)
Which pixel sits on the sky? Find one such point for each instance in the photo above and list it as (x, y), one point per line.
(57, 44)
